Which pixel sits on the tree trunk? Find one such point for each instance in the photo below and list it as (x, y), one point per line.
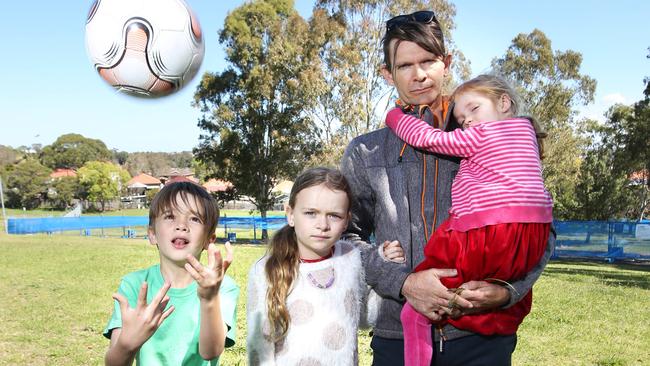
(265, 231)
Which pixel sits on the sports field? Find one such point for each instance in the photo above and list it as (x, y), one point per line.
(57, 298)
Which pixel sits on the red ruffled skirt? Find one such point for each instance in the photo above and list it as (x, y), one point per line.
(503, 251)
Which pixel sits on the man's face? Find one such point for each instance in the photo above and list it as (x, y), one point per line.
(417, 74)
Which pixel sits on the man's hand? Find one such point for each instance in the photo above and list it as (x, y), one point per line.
(424, 291)
(140, 324)
(209, 277)
(483, 296)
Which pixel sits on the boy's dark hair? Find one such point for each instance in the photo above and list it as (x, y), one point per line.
(167, 199)
(426, 35)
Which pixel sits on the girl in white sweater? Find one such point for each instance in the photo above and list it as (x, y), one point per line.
(306, 296)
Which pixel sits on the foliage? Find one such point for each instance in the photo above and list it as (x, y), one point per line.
(9, 155)
(120, 157)
(255, 129)
(26, 184)
(551, 84)
(352, 95)
(603, 190)
(223, 197)
(150, 194)
(156, 163)
(627, 134)
(64, 191)
(102, 182)
(73, 151)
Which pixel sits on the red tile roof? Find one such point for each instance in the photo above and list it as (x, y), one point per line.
(145, 179)
(62, 172)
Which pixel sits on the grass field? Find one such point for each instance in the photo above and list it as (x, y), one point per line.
(56, 301)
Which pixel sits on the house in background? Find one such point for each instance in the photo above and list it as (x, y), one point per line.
(176, 174)
(137, 189)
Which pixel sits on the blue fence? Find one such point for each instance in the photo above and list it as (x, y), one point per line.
(607, 240)
(86, 224)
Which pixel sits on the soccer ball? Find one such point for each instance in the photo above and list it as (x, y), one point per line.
(147, 48)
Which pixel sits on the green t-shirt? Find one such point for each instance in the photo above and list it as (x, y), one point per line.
(176, 342)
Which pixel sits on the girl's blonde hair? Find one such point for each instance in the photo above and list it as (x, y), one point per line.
(494, 87)
(284, 258)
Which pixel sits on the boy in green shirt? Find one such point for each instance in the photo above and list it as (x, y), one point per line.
(178, 312)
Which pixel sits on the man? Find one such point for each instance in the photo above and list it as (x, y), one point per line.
(403, 194)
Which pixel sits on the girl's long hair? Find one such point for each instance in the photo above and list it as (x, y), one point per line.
(283, 256)
(494, 87)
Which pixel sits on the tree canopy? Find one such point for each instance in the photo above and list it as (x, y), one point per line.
(255, 128)
(102, 181)
(73, 151)
(26, 184)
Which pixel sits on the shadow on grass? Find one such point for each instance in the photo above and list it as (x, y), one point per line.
(635, 275)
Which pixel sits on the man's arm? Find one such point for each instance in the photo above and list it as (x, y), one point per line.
(386, 278)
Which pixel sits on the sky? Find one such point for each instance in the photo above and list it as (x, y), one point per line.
(50, 88)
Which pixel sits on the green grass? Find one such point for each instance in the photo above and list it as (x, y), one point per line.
(57, 299)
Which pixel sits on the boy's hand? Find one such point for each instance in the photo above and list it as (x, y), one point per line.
(393, 251)
(140, 324)
(209, 277)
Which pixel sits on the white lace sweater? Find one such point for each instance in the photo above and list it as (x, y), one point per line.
(324, 321)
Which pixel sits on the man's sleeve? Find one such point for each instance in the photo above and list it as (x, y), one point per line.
(386, 278)
(523, 286)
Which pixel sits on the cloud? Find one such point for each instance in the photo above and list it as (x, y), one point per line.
(597, 110)
(616, 98)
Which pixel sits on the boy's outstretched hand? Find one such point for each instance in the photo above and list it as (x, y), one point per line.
(209, 277)
(141, 322)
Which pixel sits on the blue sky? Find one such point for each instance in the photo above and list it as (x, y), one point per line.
(49, 87)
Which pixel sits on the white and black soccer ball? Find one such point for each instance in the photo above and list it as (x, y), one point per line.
(147, 48)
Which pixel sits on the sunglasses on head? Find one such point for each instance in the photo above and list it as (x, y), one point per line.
(422, 16)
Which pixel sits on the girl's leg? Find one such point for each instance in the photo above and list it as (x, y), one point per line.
(417, 337)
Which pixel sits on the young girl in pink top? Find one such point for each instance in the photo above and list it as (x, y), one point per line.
(500, 218)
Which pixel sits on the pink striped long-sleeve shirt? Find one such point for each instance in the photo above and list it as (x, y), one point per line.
(500, 176)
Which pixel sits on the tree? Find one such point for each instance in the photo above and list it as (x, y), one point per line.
(255, 129)
(9, 155)
(26, 184)
(628, 135)
(73, 151)
(120, 157)
(352, 95)
(551, 84)
(603, 191)
(102, 181)
(64, 191)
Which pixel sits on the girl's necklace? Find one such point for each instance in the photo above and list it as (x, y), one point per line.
(323, 278)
